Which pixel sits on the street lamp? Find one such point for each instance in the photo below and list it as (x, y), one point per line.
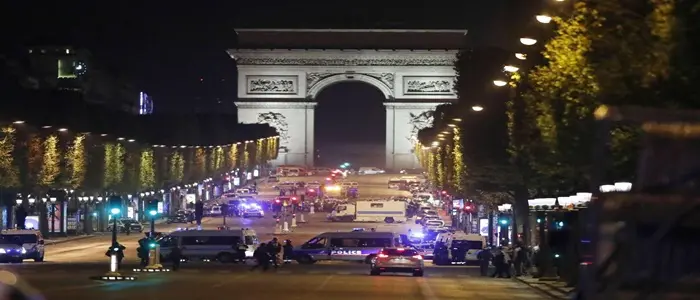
(521, 56)
(544, 19)
(528, 41)
(499, 82)
(510, 69)
(19, 201)
(477, 108)
(435, 144)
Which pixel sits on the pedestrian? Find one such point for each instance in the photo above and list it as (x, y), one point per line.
(274, 248)
(176, 257)
(287, 252)
(262, 257)
(499, 263)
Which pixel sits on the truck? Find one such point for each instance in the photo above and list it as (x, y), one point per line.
(370, 211)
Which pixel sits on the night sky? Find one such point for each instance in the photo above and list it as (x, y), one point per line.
(176, 50)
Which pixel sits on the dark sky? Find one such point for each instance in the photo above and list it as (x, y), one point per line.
(175, 50)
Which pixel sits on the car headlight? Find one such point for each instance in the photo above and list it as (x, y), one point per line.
(24, 250)
(2, 251)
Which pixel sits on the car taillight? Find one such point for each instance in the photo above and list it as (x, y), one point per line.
(418, 257)
(382, 255)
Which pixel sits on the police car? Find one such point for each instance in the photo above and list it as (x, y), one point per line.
(357, 246)
(29, 242)
(457, 248)
(252, 210)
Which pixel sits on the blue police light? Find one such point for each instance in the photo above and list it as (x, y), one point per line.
(115, 211)
(153, 212)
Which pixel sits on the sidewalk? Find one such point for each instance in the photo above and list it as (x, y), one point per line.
(554, 289)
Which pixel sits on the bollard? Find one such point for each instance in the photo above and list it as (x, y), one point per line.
(311, 210)
(278, 229)
(285, 227)
(294, 221)
(302, 220)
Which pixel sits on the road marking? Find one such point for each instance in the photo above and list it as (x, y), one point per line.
(426, 290)
(344, 273)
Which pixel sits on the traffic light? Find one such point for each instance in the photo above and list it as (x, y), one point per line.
(152, 245)
(503, 221)
(115, 205)
(468, 208)
(152, 207)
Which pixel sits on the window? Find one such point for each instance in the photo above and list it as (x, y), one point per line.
(20, 238)
(250, 240)
(397, 252)
(375, 242)
(211, 240)
(465, 245)
(345, 242)
(315, 243)
(377, 205)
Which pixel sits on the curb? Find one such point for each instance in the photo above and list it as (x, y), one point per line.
(66, 240)
(552, 292)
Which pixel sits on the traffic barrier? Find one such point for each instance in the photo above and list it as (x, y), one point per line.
(285, 227)
(311, 211)
(294, 221)
(302, 220)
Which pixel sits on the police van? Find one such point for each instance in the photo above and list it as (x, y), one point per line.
(221, 245)
(457, 248)
(357, 246)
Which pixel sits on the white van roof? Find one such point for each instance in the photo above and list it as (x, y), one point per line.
(235, 232)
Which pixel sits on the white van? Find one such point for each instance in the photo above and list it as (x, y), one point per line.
(218, 245)
(458, 248)
(358, 246)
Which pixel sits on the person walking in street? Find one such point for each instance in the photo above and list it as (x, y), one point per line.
(262, 257)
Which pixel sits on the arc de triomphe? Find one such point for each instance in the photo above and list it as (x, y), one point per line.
(281, 71)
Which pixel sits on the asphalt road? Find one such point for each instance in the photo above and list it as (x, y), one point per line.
(321, 281)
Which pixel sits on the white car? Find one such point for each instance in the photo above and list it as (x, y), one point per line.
(252, 210)
(370, 171)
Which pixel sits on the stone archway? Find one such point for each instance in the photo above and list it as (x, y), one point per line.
(326, 80)
(280, 86)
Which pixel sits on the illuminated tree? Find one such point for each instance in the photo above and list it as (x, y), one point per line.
(246, 156)
(273, 147)
(440, 167)
(114, 165)
(219, 158)
(458, 162)
(259, 151)
(432, 166)
(177, 167)
(108, 176)
(210, 156)
(232, 157)
(448, 166)
(76, 163)
(147, 170)
(199, 164)
(51, 166)
(35, 156)
(9, 174)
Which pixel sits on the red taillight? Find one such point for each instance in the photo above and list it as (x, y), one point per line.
(382, 255)
(311, 190)
(277, 201)
(418, 257)
(328, 178)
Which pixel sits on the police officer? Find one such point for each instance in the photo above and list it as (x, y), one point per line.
(117, 250)
(273, 249)
(287, 252)
(484, 257)
(142, 251)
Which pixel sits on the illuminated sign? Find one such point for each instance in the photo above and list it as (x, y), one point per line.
(346, 252)
(145, 104)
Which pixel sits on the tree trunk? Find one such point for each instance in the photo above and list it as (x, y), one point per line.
(522, 210)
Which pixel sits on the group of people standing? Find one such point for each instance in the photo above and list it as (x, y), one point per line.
(269, 254)
(505, 260)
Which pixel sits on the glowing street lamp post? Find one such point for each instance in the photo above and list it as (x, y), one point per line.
(115, 203)
(154, 264)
